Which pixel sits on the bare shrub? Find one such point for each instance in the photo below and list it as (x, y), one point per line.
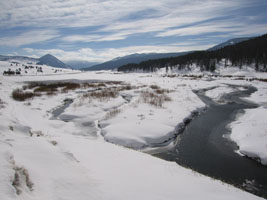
(20, 95)
(162, 91)
(154, 87)
(53, 142)
(11, 128)
(36, 133)
(16, 183)
(39, 88)
(154, 98)
(100, 84)
(114, 82)
(27, 178)
(53, 87)
(2, 104)
(102, 95)
(21, 176)
(112, 113)
(93, 85)
(125, 87)
(71, 86)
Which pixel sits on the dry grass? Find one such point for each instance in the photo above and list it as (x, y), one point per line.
(16, 183)
(162, 91)
(102, 95)
(154, 87)
(101, 84)
(40, 88)
(154, 98)
(107, 89)
(112, 113)
(21, 176)
(20, 95)
(93, 85)
(107, 93)
(53, 87)
(2, 104)
(125, 87)
(53, 142)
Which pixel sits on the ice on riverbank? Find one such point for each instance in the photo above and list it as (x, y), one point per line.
(250, 129)
(250, 134)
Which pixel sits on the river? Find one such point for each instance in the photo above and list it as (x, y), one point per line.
(204, 146)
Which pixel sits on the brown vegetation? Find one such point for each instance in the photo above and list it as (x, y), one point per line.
(20, 95)
(2, 104)
(154, 98)
(112, 113)
(102, 95)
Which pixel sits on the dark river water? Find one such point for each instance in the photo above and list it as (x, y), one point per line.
(204, 147)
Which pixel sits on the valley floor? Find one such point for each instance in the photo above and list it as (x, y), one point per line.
(66, 155)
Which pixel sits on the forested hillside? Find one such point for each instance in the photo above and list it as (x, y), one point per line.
(251, 52)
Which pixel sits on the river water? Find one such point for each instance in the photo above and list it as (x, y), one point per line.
(205, 148)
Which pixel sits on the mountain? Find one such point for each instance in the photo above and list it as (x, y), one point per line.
(18, 58)
(229, 42)
(80, 64)
(133, 58)
(249, 52)
(50, 60)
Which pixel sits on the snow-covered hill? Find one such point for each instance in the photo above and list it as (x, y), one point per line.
(24, 67)
(47, 59)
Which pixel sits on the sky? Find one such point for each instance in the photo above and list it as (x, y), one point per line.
(100, 30)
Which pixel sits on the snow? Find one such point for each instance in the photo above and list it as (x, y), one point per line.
(218, 92)
(47, 70)
(139, 125)
(250, 129)
(250, 133)
(72, 160)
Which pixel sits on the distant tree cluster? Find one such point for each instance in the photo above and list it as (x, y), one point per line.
(250, 52)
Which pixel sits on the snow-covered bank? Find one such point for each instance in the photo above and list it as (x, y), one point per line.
(41, 158)
(250, 134)
(217, 93)
(138, 125)
(250, 129)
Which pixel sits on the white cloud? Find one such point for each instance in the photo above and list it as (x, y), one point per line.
(101, 55)
(229, 26)
(30, 37)
(112, 14)
(94, 37)
(118, 20)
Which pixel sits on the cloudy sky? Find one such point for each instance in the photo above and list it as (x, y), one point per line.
(99, 30)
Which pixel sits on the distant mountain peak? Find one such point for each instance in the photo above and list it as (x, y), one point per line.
(51, 60)
(132, 58)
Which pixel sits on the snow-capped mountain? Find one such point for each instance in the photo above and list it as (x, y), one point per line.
(229, 42)
(50, 60)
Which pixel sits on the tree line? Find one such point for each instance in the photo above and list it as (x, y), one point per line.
(252, 52)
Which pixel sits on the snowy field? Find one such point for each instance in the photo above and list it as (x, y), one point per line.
(72, 154)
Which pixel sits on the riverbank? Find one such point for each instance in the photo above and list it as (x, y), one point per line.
(205, 146)
(71, 160)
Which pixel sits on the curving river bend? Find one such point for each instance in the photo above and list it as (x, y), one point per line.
(204, 148)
